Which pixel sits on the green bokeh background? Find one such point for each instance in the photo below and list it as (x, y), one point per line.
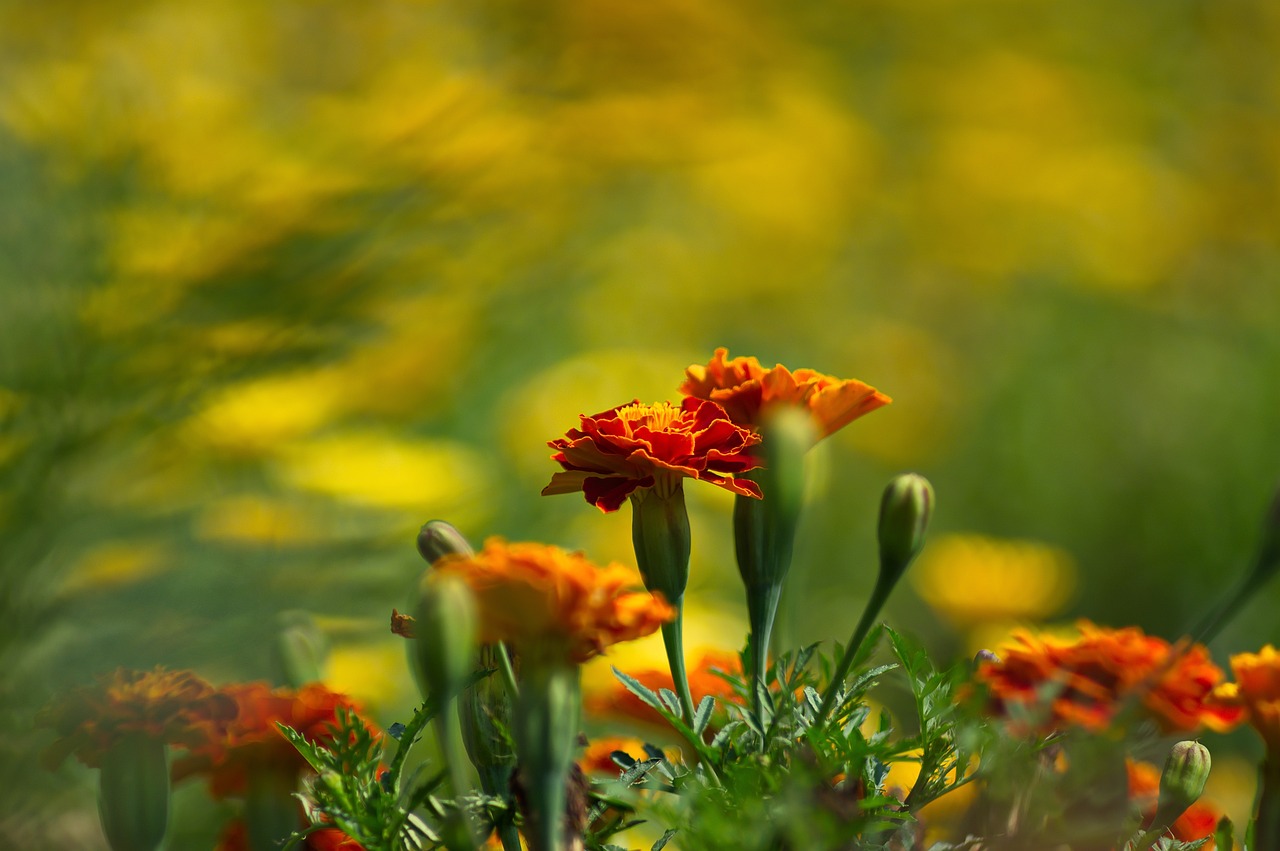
(279, 281)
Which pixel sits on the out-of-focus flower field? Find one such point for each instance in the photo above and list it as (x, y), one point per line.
(279, 281)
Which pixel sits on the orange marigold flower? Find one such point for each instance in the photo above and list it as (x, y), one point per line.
(538, 595)
(745, 390)
(1101, 672)
(618, 702)
(1197, 822)
(1255, 694)
(635, 446)
(235, 837)
(597, 758)
(176, 707)
(252, 742)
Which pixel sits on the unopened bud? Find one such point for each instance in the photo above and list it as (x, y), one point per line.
(300, 649)
(985, 657)
(904, 516)
(437, 538)
(1182, 781)
(485, 711)
(446, 630)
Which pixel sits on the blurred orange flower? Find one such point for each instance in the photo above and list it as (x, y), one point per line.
(637, 446)
(1255, 694)
(535, 594)
(745, 390)
(236, 838)
(252, 742)
(1199, 820)
(1102, 671)
(618, 702)
(176, 707)
(597, 758)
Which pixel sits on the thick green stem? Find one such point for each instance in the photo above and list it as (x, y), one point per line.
(546, 732)
(673, 640)
(133, 801)
(1266, 828)
(762, 608)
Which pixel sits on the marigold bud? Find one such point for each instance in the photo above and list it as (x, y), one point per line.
(437, 538)
(1182, 781)
(446, 627)
(904, 517)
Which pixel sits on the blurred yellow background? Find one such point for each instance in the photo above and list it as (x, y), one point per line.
(280, 281)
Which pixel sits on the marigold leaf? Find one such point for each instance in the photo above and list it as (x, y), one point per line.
(640, 690)
(663, 840)
(702, 716)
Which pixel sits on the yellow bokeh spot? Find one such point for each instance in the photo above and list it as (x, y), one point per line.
(426, 477)
(973, 578)
(261, 414)
(115, 564)
(254, 520)
(376, 674)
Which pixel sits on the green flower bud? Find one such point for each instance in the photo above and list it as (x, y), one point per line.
(447, 628)
(300, 649)
(437, 538)
(1182, 781)
(133, 802)
(485, 711)
(904, 518)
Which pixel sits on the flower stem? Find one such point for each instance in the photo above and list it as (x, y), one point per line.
(1267, 824)
(879, 595)
(673, 640)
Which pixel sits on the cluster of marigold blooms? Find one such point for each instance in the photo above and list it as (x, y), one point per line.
(1109, 678)
(556, 609)
(225, 735)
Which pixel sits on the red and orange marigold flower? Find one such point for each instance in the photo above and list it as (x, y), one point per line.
(746, 390)
(535, 595)
(1255, 694)
(1090, 679)
(175, 707)
(252, 743)
(635, 446)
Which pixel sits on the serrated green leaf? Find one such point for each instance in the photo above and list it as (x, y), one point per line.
(673, 703)
(702, 715)
(663, 840)
(640, 690)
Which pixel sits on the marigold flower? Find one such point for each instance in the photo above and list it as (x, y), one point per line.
(235, 837)
(175, 707)
(745, 390)
(535, 594)
(634, 446)
(618, 702)
(1197, 822)
(252, 742)
(1255, 694)
(597, 757)
(1101, 672)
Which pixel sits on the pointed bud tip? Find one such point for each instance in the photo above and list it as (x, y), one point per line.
(905, 510)
(437, 538)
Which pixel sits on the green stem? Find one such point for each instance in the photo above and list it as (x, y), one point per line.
(508, 673)
(673, 640)
(1266, 828)
(762, 608)
(879, 595)
(545, 726)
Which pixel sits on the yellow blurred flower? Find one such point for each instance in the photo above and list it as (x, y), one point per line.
(972, 578)
(261, 414)
(422, 477)
(114, 564)
(251, 519)
(373, 673)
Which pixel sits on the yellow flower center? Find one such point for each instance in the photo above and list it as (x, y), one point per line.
(658, 417)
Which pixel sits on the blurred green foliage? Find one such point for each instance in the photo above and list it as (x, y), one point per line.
(281, 280)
